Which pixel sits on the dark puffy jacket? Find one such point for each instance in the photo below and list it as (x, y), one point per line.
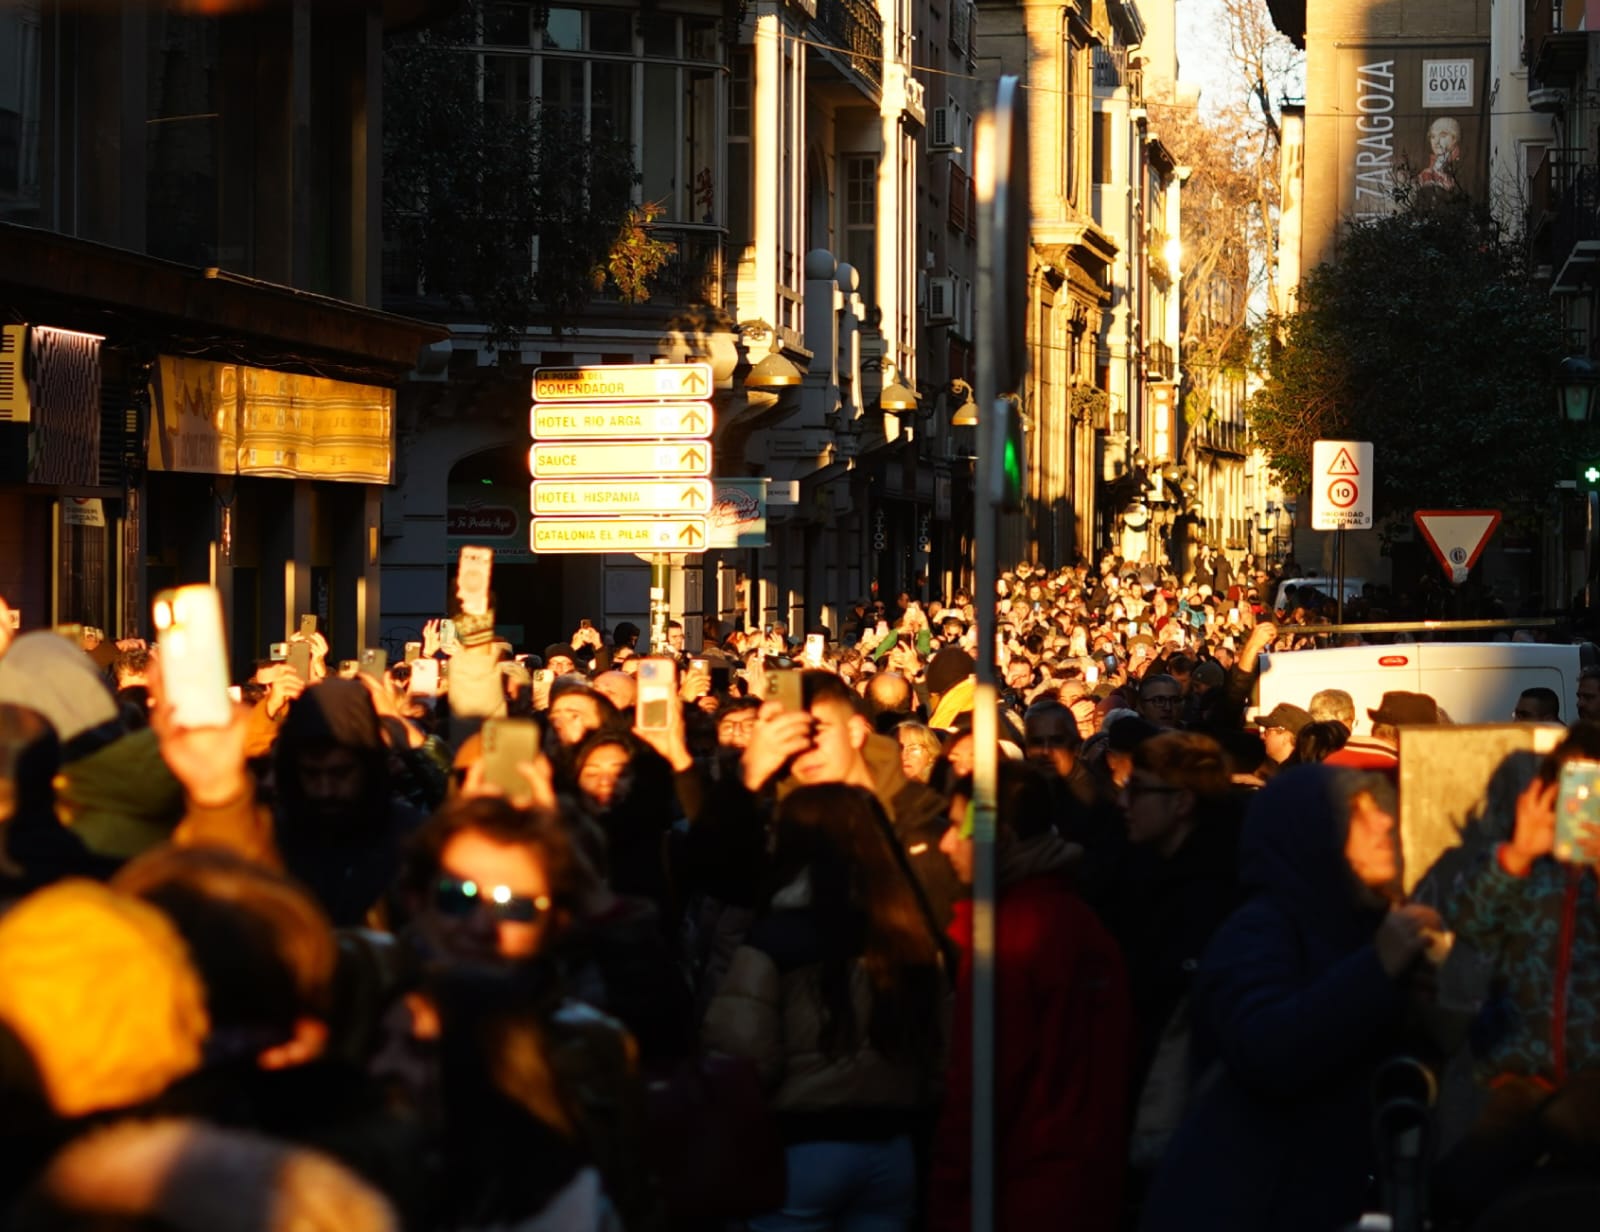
(1294, 1003)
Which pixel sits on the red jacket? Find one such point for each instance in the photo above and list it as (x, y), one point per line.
(1064, 1031)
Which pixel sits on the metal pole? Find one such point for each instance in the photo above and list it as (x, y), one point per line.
(660, 591)
(985, 720)
(1338, 555)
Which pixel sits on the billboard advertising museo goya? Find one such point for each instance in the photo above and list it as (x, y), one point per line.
(1411, 118)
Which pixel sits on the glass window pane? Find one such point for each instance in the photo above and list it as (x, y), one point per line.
(700, 40)
(741, 222)
(563, 88)
(611, 30)
(506, 25)
(658, 149)
(861, 251)
(611, 100)
(660, 35)
(505, 86)
(563, 30)
(699, 144)
(739, 96)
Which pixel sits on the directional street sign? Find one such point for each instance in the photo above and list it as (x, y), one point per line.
(633, 496)
(1341, 485)
(622, 383)
(634, 460)
(565, 421)
(606, 534)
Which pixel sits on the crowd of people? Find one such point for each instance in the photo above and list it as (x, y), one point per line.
(489, 940)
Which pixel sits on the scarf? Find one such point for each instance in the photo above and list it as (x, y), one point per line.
(956, 702)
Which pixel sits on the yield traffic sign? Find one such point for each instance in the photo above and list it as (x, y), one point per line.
(634, 460)
(563, 421)
(1457, 537)
(633, 496)
(610, 534)
(623, 383)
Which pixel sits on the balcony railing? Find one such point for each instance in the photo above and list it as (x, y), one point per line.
(855, 27)
(1110, 67)
(1553, 51)
(1575, 231)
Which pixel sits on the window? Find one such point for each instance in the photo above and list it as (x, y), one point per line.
(1102, 147)
(740, 214)
(860, 220)
(653, 80)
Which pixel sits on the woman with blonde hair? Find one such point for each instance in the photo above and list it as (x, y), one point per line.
(919, 750)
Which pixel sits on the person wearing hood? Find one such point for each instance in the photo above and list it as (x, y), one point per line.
(338, 828)
(114, 789)
(35, 848)
(1299, 998)
(1063, 1028)
(952, 681)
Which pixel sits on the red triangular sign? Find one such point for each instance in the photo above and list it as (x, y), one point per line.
(1343, 464)
(1457, 537)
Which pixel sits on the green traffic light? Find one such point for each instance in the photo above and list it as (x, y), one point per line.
(1012, 462)
(1592, 474)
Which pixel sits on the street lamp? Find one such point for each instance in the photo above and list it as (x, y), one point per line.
(1575, 388)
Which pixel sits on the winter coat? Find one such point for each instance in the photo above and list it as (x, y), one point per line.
(1543, 933)
(121, 799)
(920, 817)
(1293, 1000)
(770, 1010)
(1166, 914)
(1062, 1027)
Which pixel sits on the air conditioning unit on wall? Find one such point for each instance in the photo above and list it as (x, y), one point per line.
(944, 129)
(941, 299)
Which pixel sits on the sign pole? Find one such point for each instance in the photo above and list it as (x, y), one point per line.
(660, 601)
(1338, 553)
(1003, 220)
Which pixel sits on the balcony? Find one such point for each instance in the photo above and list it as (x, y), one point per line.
(1575, 233)
(855, 29)
(1554, 53)
(1110, 67)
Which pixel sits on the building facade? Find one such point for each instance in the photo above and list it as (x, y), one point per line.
(200, 392)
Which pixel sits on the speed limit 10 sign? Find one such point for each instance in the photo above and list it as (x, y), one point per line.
(1341, 485)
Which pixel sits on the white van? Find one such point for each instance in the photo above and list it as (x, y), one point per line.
(1473, 682)
(1327, 585)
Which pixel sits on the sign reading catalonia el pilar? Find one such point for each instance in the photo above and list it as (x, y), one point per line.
(620, 458)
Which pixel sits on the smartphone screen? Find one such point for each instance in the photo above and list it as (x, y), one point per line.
(374, 661)
(506, 744)
(721, 679)
(657, 693)
(1577, 806)
(194, 656)
(1111, 663)
(784, 687)
(425, 677)
(299, 658)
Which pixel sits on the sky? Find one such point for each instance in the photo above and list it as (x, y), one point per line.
(1203, 59)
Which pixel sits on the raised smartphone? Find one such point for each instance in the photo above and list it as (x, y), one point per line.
(816, 644)
(506, 744)
(425, 677)
(308, 624)
(473, 571)
(194, 656)
(657, 693)
(299, 658)
(785, 688)
(374, 661)
(278, 651)
(1577, 806)
(413, 651)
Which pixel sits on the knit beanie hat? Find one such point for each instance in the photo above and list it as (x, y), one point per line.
(99, 987)
(949, 668)
(45, 672)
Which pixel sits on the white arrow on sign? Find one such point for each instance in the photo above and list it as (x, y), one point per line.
(564, 421)
(680, 534)
(577, 497)
(634, 460)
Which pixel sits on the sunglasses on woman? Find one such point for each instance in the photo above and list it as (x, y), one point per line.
(456, 896)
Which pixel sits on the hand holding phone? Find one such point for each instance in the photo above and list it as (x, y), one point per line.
(816, 644)
(194, 656)
(507, 745)
(657, 693)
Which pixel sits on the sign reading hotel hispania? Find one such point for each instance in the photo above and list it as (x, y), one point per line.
(1412, 120)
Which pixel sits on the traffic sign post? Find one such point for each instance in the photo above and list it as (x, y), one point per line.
(1341, 497)
(618, 463)
(1457, 537)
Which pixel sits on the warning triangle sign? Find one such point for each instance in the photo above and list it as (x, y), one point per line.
(1457, 537)
(1343, 464)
